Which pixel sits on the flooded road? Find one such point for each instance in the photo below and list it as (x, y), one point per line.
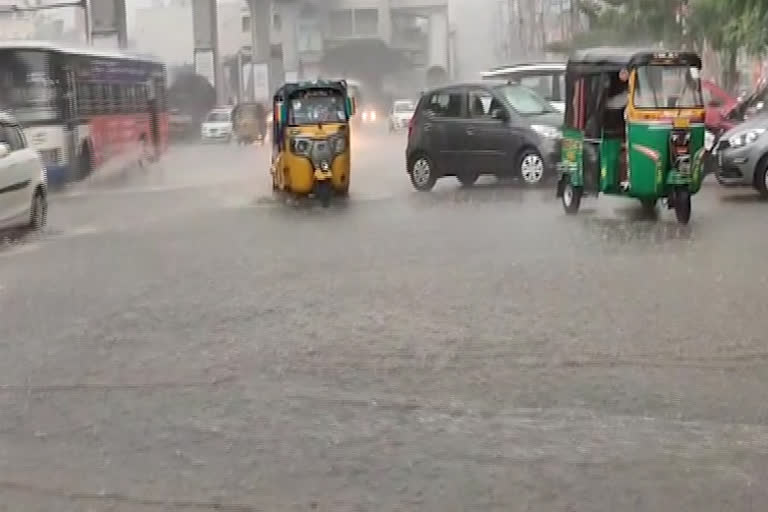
(177, 340)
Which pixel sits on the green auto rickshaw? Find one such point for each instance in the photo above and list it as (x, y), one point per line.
(634, 127)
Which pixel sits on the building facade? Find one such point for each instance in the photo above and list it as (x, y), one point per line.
(390, 45)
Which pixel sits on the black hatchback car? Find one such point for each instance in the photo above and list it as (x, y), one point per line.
(468, 130)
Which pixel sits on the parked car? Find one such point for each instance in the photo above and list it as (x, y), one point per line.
(23, 185)
(400, 115)
(217, 125)
(469, 130)
(742, 155)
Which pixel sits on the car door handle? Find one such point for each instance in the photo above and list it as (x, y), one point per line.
(470, 131)
(427, 127)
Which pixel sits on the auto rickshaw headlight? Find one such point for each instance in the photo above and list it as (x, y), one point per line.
(300, 147)
(746, 137)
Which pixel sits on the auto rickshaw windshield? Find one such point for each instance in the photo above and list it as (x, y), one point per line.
(317, 106)
(666, 86)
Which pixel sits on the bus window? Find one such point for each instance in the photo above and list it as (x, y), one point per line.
(26, 85)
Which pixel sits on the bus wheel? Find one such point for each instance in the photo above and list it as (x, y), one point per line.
(85, 163)
(683, 205)
(144, 156)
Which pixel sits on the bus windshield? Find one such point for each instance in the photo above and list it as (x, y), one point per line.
(317, 106)
(668, 87)
(26, 85)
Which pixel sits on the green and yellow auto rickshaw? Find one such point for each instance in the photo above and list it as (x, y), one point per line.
(311, 139)
(634, 127)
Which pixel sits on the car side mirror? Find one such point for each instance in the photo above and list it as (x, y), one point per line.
(5, 150)
(500, 114)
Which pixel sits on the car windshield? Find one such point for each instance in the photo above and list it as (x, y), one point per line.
(404, 107)
(668, 87)
(218, 117)
(525, 101)
(317, 106)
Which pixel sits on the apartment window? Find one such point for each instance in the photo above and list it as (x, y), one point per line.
(246, 23)
(277, 21)
(341, 22)
(366, 22)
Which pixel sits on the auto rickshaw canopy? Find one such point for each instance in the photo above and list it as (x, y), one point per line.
(607, 59)
(594, 75)
(291, 89)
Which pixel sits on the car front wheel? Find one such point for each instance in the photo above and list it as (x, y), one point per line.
(530, 167)
(38, 211)
(423, 173)
(761, 181)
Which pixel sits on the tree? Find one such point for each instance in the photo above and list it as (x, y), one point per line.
(628, 23)
(730, 26)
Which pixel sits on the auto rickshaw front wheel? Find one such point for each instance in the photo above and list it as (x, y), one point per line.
(571, 197)
(324, 192)
(682, 204)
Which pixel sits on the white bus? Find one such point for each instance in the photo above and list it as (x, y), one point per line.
(84, 109)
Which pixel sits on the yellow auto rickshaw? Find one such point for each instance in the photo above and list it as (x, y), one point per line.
(311, 139)
(249, 123)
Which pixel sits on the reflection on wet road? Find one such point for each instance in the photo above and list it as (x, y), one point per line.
(177, 339)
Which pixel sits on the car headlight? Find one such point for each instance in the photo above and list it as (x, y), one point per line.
(300, 147)
(548, 132)
(746, 137)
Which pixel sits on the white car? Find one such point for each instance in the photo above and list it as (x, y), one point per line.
(23, 184)
(217, 125)
(401, 114)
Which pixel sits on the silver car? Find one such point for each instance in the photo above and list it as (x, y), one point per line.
(742, 156)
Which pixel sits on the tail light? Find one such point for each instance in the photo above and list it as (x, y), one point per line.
(410, 126)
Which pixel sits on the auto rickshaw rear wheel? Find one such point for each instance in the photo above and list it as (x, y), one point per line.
(571, 197)
(682, 204)
(649, 206)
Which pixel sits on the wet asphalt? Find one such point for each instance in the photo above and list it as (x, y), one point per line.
(178, 340)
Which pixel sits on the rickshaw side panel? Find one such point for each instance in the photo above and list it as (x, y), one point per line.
(610, 162)
(299, 174)
(573, 156)
(692, 180)
(340, 169)
(648, 154)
